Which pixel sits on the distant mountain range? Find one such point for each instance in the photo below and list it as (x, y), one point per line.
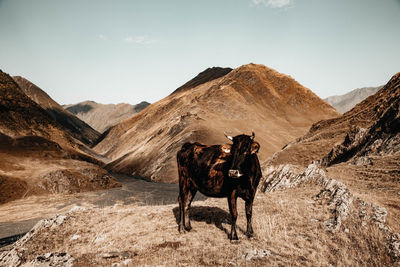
(344, 103)
(103, 116)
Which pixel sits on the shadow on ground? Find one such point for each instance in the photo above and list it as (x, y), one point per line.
(209, 215)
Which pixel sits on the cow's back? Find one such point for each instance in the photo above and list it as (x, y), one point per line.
(206, 167)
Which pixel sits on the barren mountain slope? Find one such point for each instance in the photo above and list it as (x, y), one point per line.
(344, 103)
(251, 97)
(37, 155)
(103, 116)
(21, 116)
(74, 126)
(360, 149)
(323, 135)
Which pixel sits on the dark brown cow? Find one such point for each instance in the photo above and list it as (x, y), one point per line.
(230, 171)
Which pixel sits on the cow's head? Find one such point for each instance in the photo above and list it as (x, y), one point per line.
(242, 147)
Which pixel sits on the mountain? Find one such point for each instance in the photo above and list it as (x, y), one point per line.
(344, 103)
(363, 121)
(101, 116)
(361, 151)
(38, 156)
(74, 126)
(21, 116)
(381, 138)
(251, 97)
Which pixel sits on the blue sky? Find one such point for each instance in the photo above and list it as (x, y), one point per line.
(129, 51)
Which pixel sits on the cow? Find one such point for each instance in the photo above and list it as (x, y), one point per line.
(229, 171)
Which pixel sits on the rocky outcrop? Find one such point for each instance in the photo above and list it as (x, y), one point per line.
(52, 259)
(335, 195)
(18, 254)
(71, 181)
(338, 196)
(253, 254)
(382, 138)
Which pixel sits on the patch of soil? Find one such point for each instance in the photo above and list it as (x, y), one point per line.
(11, 188)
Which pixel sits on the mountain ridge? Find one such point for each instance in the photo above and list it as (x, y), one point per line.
(74, 126)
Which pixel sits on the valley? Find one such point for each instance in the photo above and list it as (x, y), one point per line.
(329, 194)
(21, 215)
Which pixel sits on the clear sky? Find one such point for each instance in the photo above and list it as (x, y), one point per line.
(129, 51)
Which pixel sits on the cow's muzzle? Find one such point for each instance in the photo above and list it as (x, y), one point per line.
(234, 173)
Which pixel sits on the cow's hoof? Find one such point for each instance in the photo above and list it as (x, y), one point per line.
(234, 238)
(181, 229)
(188, 228)
(235, 241)
(249, 234)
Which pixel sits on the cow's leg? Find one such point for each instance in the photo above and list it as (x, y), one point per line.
(181, 213)
(190, 196)
(249, 212)
(183, 192)
(232, 200)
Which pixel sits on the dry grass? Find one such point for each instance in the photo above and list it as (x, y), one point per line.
(289, 225)
(375, 184)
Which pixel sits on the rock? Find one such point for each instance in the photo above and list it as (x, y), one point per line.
(362, 161)
(278, 178)
(251, 254)
(100, 238)
(379, 216)
(75, 237)
(110, 255)
(394, 245)
(17, 254)
(11, 258)
(287, 176)
(52, 259)
(339, 198)
(76, 208)
(126, 262)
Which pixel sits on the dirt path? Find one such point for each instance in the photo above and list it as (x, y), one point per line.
(20, 216)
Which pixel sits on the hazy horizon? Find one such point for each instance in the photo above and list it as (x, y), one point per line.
(133, 51)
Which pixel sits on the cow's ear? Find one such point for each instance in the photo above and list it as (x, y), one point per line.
(252, 135)
(255, 146)
(226, 148)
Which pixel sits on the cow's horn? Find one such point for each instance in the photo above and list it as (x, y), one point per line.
(253, 135)
(228, 136)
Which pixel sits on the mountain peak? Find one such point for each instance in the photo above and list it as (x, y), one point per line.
(205, 76)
